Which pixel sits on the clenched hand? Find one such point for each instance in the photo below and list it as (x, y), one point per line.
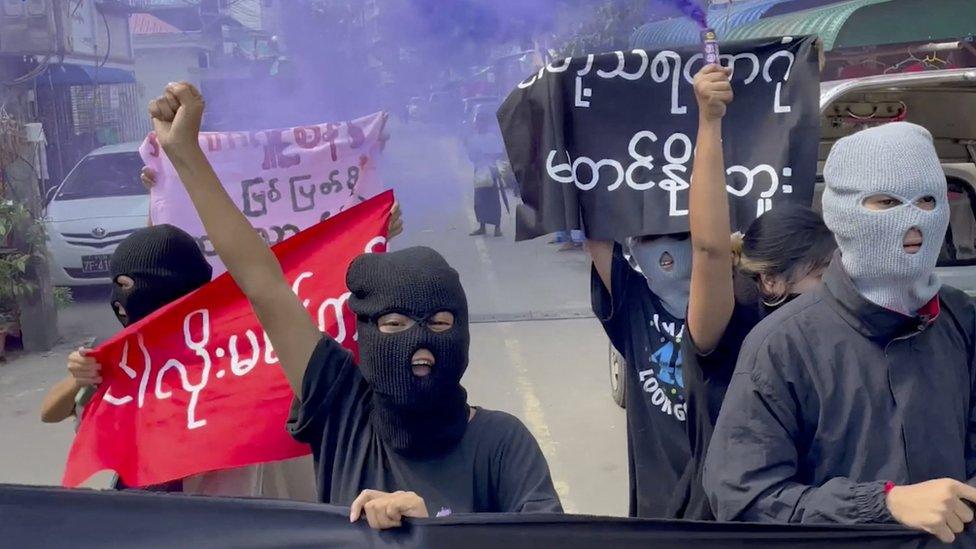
(177, 116)
(713, 91)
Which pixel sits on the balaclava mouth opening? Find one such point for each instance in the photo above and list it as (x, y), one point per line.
(164, 263)
(413, 415)
(671, 287)
(898, 160)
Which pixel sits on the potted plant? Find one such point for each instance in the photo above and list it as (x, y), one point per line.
(15, 280)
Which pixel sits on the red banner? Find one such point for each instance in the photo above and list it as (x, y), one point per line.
(196, 386)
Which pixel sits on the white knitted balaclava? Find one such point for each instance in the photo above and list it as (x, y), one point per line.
(898, 160)
(671, 287)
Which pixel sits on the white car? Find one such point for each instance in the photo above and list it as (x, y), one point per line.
(98, 204)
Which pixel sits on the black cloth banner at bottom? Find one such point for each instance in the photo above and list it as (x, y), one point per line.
(55, 517)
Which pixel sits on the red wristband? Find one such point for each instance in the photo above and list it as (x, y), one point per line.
(889, 486)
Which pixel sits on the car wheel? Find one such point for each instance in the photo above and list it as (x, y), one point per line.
(618, 386)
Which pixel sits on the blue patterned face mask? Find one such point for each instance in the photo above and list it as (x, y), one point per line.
(666, 264)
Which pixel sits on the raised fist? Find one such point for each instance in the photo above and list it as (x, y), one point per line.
(177, 115)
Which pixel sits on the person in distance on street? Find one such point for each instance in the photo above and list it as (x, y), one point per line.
(392, 436)
(855, 403)
(485, 150)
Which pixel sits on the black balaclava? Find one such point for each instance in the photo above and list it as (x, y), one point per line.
(418, 416)
(164, 263)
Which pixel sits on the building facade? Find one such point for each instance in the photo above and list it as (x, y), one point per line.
(69, 66)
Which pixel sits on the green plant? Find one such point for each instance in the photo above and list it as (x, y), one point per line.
(63, 297)
(16, 254)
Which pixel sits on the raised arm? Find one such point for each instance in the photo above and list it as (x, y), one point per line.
(148, 177)
(711, 300)
(176, 118)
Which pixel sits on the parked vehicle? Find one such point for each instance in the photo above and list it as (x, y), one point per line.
(99, 203)
(942, 101)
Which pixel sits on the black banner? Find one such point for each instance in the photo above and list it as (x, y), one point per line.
(55, 517)
(609, 138)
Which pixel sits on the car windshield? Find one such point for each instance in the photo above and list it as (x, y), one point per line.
(104, 175)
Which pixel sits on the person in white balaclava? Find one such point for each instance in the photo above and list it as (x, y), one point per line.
(890, 224)
(640, 294)
(854, 403)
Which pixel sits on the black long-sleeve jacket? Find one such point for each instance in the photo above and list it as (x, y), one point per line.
(833, 396)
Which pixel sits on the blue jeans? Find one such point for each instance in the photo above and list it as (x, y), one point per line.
(576, 235)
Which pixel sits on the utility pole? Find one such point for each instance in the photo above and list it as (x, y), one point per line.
(38, 313)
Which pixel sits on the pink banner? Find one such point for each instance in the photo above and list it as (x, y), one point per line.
(284, 180)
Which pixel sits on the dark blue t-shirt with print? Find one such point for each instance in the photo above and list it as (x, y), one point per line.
(649, 338)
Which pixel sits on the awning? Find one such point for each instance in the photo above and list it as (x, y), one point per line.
(69, 74)
(681, 31)
(147, 23)
(860, 23)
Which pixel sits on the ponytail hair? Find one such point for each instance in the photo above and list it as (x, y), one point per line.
(789, 241)
(737, 244)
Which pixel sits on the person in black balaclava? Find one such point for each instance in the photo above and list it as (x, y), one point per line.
(412, 319)
(399, 419)
(149, 269)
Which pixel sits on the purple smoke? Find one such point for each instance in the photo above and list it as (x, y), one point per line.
(692, 9)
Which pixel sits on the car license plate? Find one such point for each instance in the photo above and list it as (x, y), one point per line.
(94, 264)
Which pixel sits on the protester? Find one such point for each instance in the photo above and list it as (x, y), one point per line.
(641, 303)
(485, 151)
(399, 420)
(829, 416)
(149, 269)
(733, 284)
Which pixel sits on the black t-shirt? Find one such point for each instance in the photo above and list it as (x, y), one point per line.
(650, 340)
(496, 467)
(707, 378)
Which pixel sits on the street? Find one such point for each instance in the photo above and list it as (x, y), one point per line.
(536, 352)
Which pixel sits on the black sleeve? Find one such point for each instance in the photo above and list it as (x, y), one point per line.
(331, 378)
(524, 483)
(609, 307)
(752, 464)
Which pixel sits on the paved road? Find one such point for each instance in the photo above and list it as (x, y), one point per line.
(536, 351)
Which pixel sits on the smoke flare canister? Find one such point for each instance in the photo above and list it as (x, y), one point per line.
(710, 46)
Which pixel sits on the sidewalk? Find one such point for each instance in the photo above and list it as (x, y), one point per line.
(34, 452)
